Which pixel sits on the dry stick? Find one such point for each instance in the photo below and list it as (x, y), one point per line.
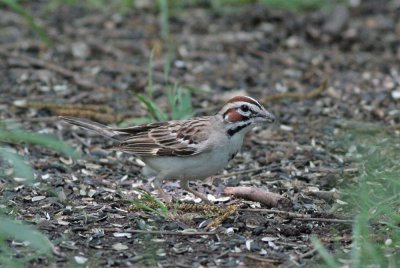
(281, 212)
(293, 245)
(102, 113)
(261, 259)
(161, 232)
(297, 216)
(53, 67)
(307, 254)
(325, 220)
(254, 194)
(105, 48)
(298, 95)
(304, 217)
(251, 256)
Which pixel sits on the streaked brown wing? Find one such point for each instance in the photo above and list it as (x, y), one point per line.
(172, 138)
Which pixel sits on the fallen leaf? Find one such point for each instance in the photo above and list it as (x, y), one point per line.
(80, 259)
(119, 247)
(127, 235)
(269, 238)
(38, 198)
(65, 223)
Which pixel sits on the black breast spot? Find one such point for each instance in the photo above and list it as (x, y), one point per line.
(232, 156)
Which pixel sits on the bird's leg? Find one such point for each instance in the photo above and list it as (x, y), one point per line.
(185, 186)
(158, 185)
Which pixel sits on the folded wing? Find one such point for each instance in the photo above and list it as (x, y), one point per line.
(174, 138)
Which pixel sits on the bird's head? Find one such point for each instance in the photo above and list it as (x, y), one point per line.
(241, 113)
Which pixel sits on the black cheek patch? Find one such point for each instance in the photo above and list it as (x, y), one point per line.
(234, 130)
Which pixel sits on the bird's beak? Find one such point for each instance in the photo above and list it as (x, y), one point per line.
(268, 117)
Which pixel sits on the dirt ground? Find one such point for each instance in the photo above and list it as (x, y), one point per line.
(101, 59)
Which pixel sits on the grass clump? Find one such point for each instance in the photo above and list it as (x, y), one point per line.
(373, 196)
(149, 203)
(179, 100)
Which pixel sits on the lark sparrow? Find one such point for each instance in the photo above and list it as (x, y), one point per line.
(189, 149)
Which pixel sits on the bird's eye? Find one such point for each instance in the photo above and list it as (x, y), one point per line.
(244, 108)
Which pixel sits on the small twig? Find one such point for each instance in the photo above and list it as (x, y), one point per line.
(325, 220)
(293, 245)
(286, 214)
(106, 48)
(254, 257)
(307, 254)
(298, 95)
(258, 195)
(102, 113)
(261, 259)
(160, 232)
(297, 216)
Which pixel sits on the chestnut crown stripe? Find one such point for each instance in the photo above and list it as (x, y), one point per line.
(245, 99)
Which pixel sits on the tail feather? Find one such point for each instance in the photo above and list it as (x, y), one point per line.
(96, 127)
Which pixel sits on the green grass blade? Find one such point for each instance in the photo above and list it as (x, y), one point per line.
(148, 200)
(357, 243)
(171, 99)
(164, 19)
(296, 6)
(186, 103)
(180, 102)
(329, 260)
(17, 8)
(11, 229)
(373, 196)
(6, 256)
(152, 108)
(167, 65)
(21, 169)
(126, 5)
(18, 136)
(150, 86)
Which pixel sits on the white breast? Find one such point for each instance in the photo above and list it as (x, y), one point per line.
(198, 166)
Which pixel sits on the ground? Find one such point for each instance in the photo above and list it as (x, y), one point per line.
(101, 59)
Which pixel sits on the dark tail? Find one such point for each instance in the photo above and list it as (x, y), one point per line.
(96, 127)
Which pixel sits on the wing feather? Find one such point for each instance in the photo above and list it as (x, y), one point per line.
(174, 138)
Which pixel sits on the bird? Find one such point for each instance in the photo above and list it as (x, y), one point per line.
(186, 150)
